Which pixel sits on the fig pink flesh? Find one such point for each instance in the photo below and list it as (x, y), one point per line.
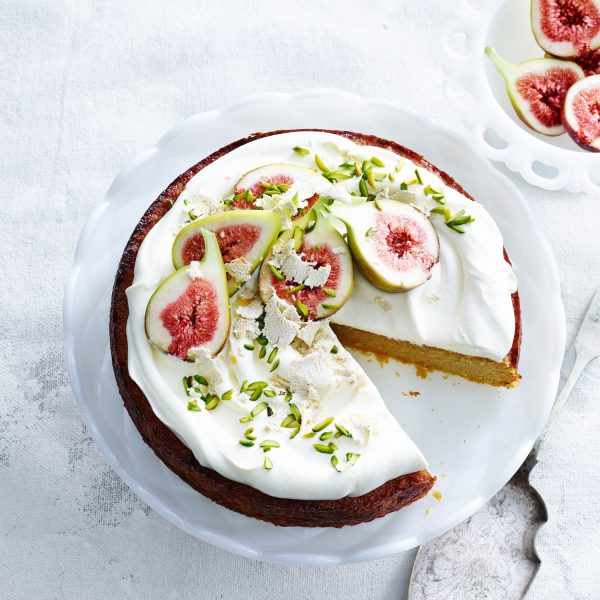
(401, 243)
(191, 320)
(257, 189)
(312, 297)
(575, 21)
(586, 109)
(589, 62)
(545, 93)
(234, 241)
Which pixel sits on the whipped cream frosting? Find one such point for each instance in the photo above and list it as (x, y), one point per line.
(466, 307)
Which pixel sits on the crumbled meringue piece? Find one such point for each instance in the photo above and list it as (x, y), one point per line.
(206, 365)
(294, 267)
(239, 269)
(282, 322)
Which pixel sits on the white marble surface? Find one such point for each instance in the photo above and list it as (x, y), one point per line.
(85, 86)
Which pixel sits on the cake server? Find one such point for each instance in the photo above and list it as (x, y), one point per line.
(468, 556)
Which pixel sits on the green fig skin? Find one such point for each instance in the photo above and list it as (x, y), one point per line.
(511, 72)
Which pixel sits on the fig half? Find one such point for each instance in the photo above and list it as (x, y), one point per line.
(394, 244)
(278, 179)
(190, 308)
(566, 28)
(241, 234)
(581, 113)
(537, 89)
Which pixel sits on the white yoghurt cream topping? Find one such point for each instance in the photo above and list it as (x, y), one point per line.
(465, 306)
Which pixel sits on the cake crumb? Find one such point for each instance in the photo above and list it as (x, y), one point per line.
(437, 495)
(421, 371)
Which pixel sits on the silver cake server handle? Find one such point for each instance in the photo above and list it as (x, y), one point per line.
(439, 566)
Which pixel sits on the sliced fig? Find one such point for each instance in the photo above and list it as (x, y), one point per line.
(581, 113)
(190, 308)
(240, 234)
(566, 28)
(278, 178)
(537, 89)
(314, 240)
(394, 244)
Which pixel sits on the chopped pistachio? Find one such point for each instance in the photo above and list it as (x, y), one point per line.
(362, 186)
(269, 444)
(262, 352)
(257, 384)
(244, 386)
(325, 435)
(186, 385)
(321, 425)
(246, 419)
(247, 443)
(323, 448)
(310, 434)
(342, 430)
(268, 463)
(272, 355)
(294, 433)
(262, 340)
(328, 306)
(288, 421)
(256, 394)
(193, 405)
(332, 446)
(228, 395)
(352, 457)
(275, 365)
(334, 461)
(275, 272)
(301, 151)
(391, 177)
(334, 350)
(371, 231)
(302, 308)
(258, 409)
(201, 380)
(330, 292)
(249, 346)
(418, 176)
(296, 412)
(377, 161)
(295, 289)
(212, 402)
(320, 163)
(370, 178)
(269, 393)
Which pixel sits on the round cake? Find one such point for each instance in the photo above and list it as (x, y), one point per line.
(247, 280)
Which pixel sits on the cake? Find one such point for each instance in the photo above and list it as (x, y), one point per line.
(247, 280)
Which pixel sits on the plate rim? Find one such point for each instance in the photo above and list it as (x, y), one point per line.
(210, 536)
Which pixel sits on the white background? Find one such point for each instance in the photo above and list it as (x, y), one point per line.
(84, 87)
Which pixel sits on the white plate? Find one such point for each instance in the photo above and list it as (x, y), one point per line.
(474, 436)
(476, 90)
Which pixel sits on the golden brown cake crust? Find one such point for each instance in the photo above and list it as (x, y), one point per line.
(389, 497)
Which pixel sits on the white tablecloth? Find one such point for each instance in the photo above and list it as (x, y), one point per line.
(85, 86)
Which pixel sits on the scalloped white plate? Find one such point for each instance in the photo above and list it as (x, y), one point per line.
(474, 436)
(474, 87)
